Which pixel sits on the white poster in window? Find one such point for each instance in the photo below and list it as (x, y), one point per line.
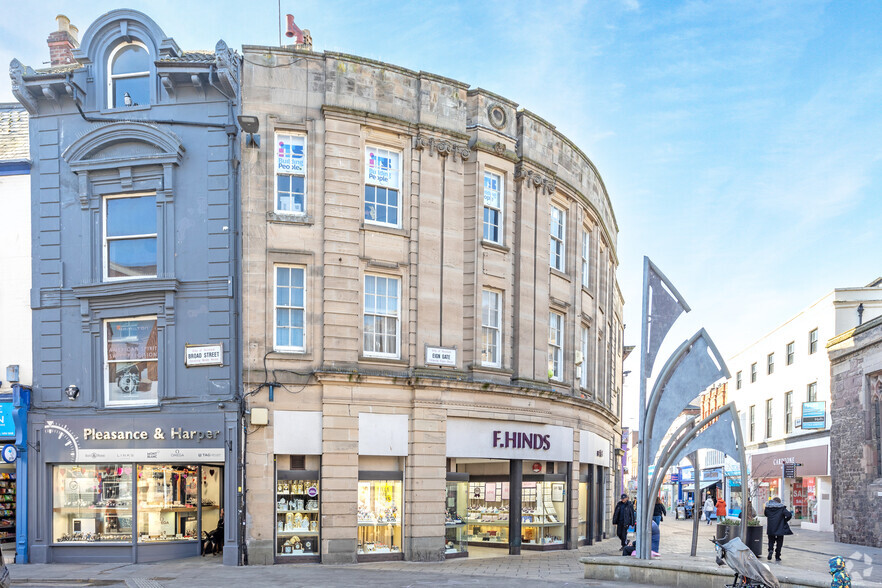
(131, 366)
(290, 154)
(381, 167)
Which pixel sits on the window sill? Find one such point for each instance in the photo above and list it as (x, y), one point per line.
(290, 355)
(366, 226)
(587, 291)
(490, 369)
(383, 360)
(558, 273)
(495, 246)
(124, 109)
(289, 218)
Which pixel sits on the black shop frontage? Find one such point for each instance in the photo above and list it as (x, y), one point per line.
(131, 488)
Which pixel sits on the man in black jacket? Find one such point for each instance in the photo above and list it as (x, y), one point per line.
(623, 517)
(777, 516)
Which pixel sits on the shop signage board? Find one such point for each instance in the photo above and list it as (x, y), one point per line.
(150, 439)
(508, 440)
(204, 355)
(769, 465)
(7, 425)
(814, 415)
(594, 449)
(443, 356)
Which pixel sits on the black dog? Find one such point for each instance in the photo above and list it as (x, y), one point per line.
(210, 543)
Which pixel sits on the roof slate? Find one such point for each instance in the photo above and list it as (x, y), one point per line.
(14, 144)
(192, 56)
(199, 56)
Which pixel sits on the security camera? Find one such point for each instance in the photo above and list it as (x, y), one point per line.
(72, 392)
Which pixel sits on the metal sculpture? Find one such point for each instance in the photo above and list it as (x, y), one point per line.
(694, 366)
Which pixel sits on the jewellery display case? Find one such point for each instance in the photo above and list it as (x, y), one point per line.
(92, 503)
(455, 526)
(488, 512)
(543, 513)
(379, 517)
(167, 503)
(297, 514)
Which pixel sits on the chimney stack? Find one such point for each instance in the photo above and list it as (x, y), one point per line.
(62, 42)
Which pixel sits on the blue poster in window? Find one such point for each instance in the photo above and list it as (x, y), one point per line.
(814, 415)
(7, 425)
(289, 158)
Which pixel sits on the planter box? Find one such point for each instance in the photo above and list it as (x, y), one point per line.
(754, 536)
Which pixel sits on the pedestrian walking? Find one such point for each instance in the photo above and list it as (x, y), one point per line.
(623, 517)
(841, 579)
(708, 508)
(659, 512)
(721, 508)
(777, 516)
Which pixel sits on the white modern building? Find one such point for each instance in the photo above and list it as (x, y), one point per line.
(15, 253)
(781, 387)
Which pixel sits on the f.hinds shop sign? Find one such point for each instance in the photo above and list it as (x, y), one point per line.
(508, 440)
(519, 440)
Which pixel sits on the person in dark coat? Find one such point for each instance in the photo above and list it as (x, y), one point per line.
(623, 517)
(777, 516)
(658, 512)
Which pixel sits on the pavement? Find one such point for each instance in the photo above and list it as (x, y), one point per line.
(805, 551)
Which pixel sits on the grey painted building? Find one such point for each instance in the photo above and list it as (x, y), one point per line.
(134, 435)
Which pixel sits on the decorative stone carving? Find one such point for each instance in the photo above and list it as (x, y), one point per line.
(17, 71)
(535, 178)
(499, 148)
(442, 146)
(497, 116)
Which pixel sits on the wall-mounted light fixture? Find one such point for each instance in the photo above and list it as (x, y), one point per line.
(72, 392)
(250, 125)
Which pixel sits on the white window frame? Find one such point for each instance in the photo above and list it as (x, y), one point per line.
(276, 346)
(397, 316)
(495, 332)
(106, 361)
(557, 234)
(105, 249)
(813, 341)
(111, 77)
(500, 194)
(377, 184)
(279, 135)
(555, 346)
(583, 344)
(586, 258)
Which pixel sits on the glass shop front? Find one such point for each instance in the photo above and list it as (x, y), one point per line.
(136, 489)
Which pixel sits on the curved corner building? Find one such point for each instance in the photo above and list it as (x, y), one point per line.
(432, 326)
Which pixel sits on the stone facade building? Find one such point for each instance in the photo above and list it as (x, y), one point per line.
(134, 430)
(856, 434)
(432, 324)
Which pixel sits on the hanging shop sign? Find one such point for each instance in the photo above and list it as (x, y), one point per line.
(443, 356)
(203, 355)
(814, 415)
(508, 440)
(160, 438)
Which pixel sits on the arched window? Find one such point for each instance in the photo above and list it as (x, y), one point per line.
(128, 75)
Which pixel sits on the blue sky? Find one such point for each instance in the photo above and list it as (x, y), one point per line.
(739, 140)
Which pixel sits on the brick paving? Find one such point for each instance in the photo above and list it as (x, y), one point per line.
(805, 551)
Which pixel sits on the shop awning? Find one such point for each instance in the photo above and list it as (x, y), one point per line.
(704, 484)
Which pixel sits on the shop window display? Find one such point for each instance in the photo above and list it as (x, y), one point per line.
(455, 529)
(543, 513)
(92, 503)
(297, 516)
(583, 511)
(379, 516)
(167, 503)
(488, 513)
(811, 500)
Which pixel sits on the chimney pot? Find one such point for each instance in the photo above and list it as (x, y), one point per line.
(62, 42)
(63, 22)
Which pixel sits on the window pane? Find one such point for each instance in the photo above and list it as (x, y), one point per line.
(131, 59)
(129, 258)
(131, 216)
(282, 337)
(92, 503)
(138, 89)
